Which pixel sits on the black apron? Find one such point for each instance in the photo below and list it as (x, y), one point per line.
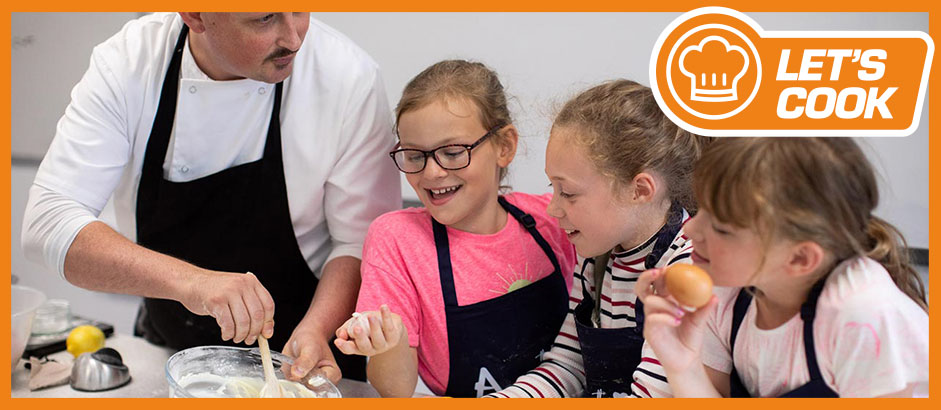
(611, 355)
(493, 342)
(816, 387)
(236, 220)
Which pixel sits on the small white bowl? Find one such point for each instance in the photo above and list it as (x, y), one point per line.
(24, 301)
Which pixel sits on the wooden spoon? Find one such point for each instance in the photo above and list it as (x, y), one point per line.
(271, 388)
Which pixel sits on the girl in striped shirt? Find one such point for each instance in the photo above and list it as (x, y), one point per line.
(620, 170)
(824, 302)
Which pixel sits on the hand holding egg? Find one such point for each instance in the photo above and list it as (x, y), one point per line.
(371, 333)
(359, 319)
(689, 285)
(677, 300)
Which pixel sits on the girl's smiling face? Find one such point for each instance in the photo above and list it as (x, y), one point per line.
(595, 216)
(464, 199)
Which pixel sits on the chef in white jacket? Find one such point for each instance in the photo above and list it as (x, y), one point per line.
(231, 143)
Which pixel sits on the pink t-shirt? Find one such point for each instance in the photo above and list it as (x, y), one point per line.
(400, 269)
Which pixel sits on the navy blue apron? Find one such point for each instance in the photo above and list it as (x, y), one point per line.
(816, 387)
(236, 220)
(611, 355)
(493, 342)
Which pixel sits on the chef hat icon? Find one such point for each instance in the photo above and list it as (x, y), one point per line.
(714, 68)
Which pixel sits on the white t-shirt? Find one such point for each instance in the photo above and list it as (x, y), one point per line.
(870, 338)
(336, 129)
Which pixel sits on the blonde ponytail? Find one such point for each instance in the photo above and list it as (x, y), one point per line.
(887, 246)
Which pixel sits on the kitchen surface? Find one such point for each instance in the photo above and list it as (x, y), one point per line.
(147, 365)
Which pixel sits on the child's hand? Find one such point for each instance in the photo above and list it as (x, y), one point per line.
(371, 333)
(674, 334)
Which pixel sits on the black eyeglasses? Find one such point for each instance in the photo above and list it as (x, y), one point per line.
(450, 157)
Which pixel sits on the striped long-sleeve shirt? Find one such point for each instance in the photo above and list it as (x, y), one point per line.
(562, 371)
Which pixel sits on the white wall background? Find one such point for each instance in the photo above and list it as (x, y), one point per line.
(542, 58)
(545, 58)
(49, 54)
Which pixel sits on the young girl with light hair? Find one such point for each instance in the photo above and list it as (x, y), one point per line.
(825, 302)
(620, 172)
(467, 291)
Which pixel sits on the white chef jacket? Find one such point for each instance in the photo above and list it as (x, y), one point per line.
(336, 129)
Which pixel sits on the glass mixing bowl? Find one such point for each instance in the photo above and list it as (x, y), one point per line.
(221, 371)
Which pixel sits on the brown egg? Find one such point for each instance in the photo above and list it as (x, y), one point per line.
(689, 285)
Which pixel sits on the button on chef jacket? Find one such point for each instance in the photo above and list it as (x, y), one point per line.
(336, 132)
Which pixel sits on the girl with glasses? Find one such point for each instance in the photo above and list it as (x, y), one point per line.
(620, 172)
(468, 291)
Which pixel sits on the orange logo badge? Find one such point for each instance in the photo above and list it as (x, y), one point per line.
(715, 72)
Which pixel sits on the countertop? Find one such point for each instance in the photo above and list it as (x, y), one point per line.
(146, 363)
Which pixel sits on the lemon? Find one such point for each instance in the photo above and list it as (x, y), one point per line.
(84, 339)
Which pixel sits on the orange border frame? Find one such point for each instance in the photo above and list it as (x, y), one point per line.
(932, 7)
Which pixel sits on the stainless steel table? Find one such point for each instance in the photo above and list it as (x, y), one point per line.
(146, 363)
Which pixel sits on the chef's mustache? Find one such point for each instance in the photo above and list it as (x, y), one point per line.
(284, 52)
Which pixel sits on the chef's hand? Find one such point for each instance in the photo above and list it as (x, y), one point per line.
(674, 334)
(385, 331)
(311, 353)
(242, 307)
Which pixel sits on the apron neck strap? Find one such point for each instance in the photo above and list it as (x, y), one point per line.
(529, 223)
(442, 247)
(273, 140)
(444, 263)
(665, 235)
(808, 312)
(163, 120)
(664, 238)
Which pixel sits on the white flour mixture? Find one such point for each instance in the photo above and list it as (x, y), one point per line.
(211, 385)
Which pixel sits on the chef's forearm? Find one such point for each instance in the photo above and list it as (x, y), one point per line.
(103, 260)
(335, 298)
